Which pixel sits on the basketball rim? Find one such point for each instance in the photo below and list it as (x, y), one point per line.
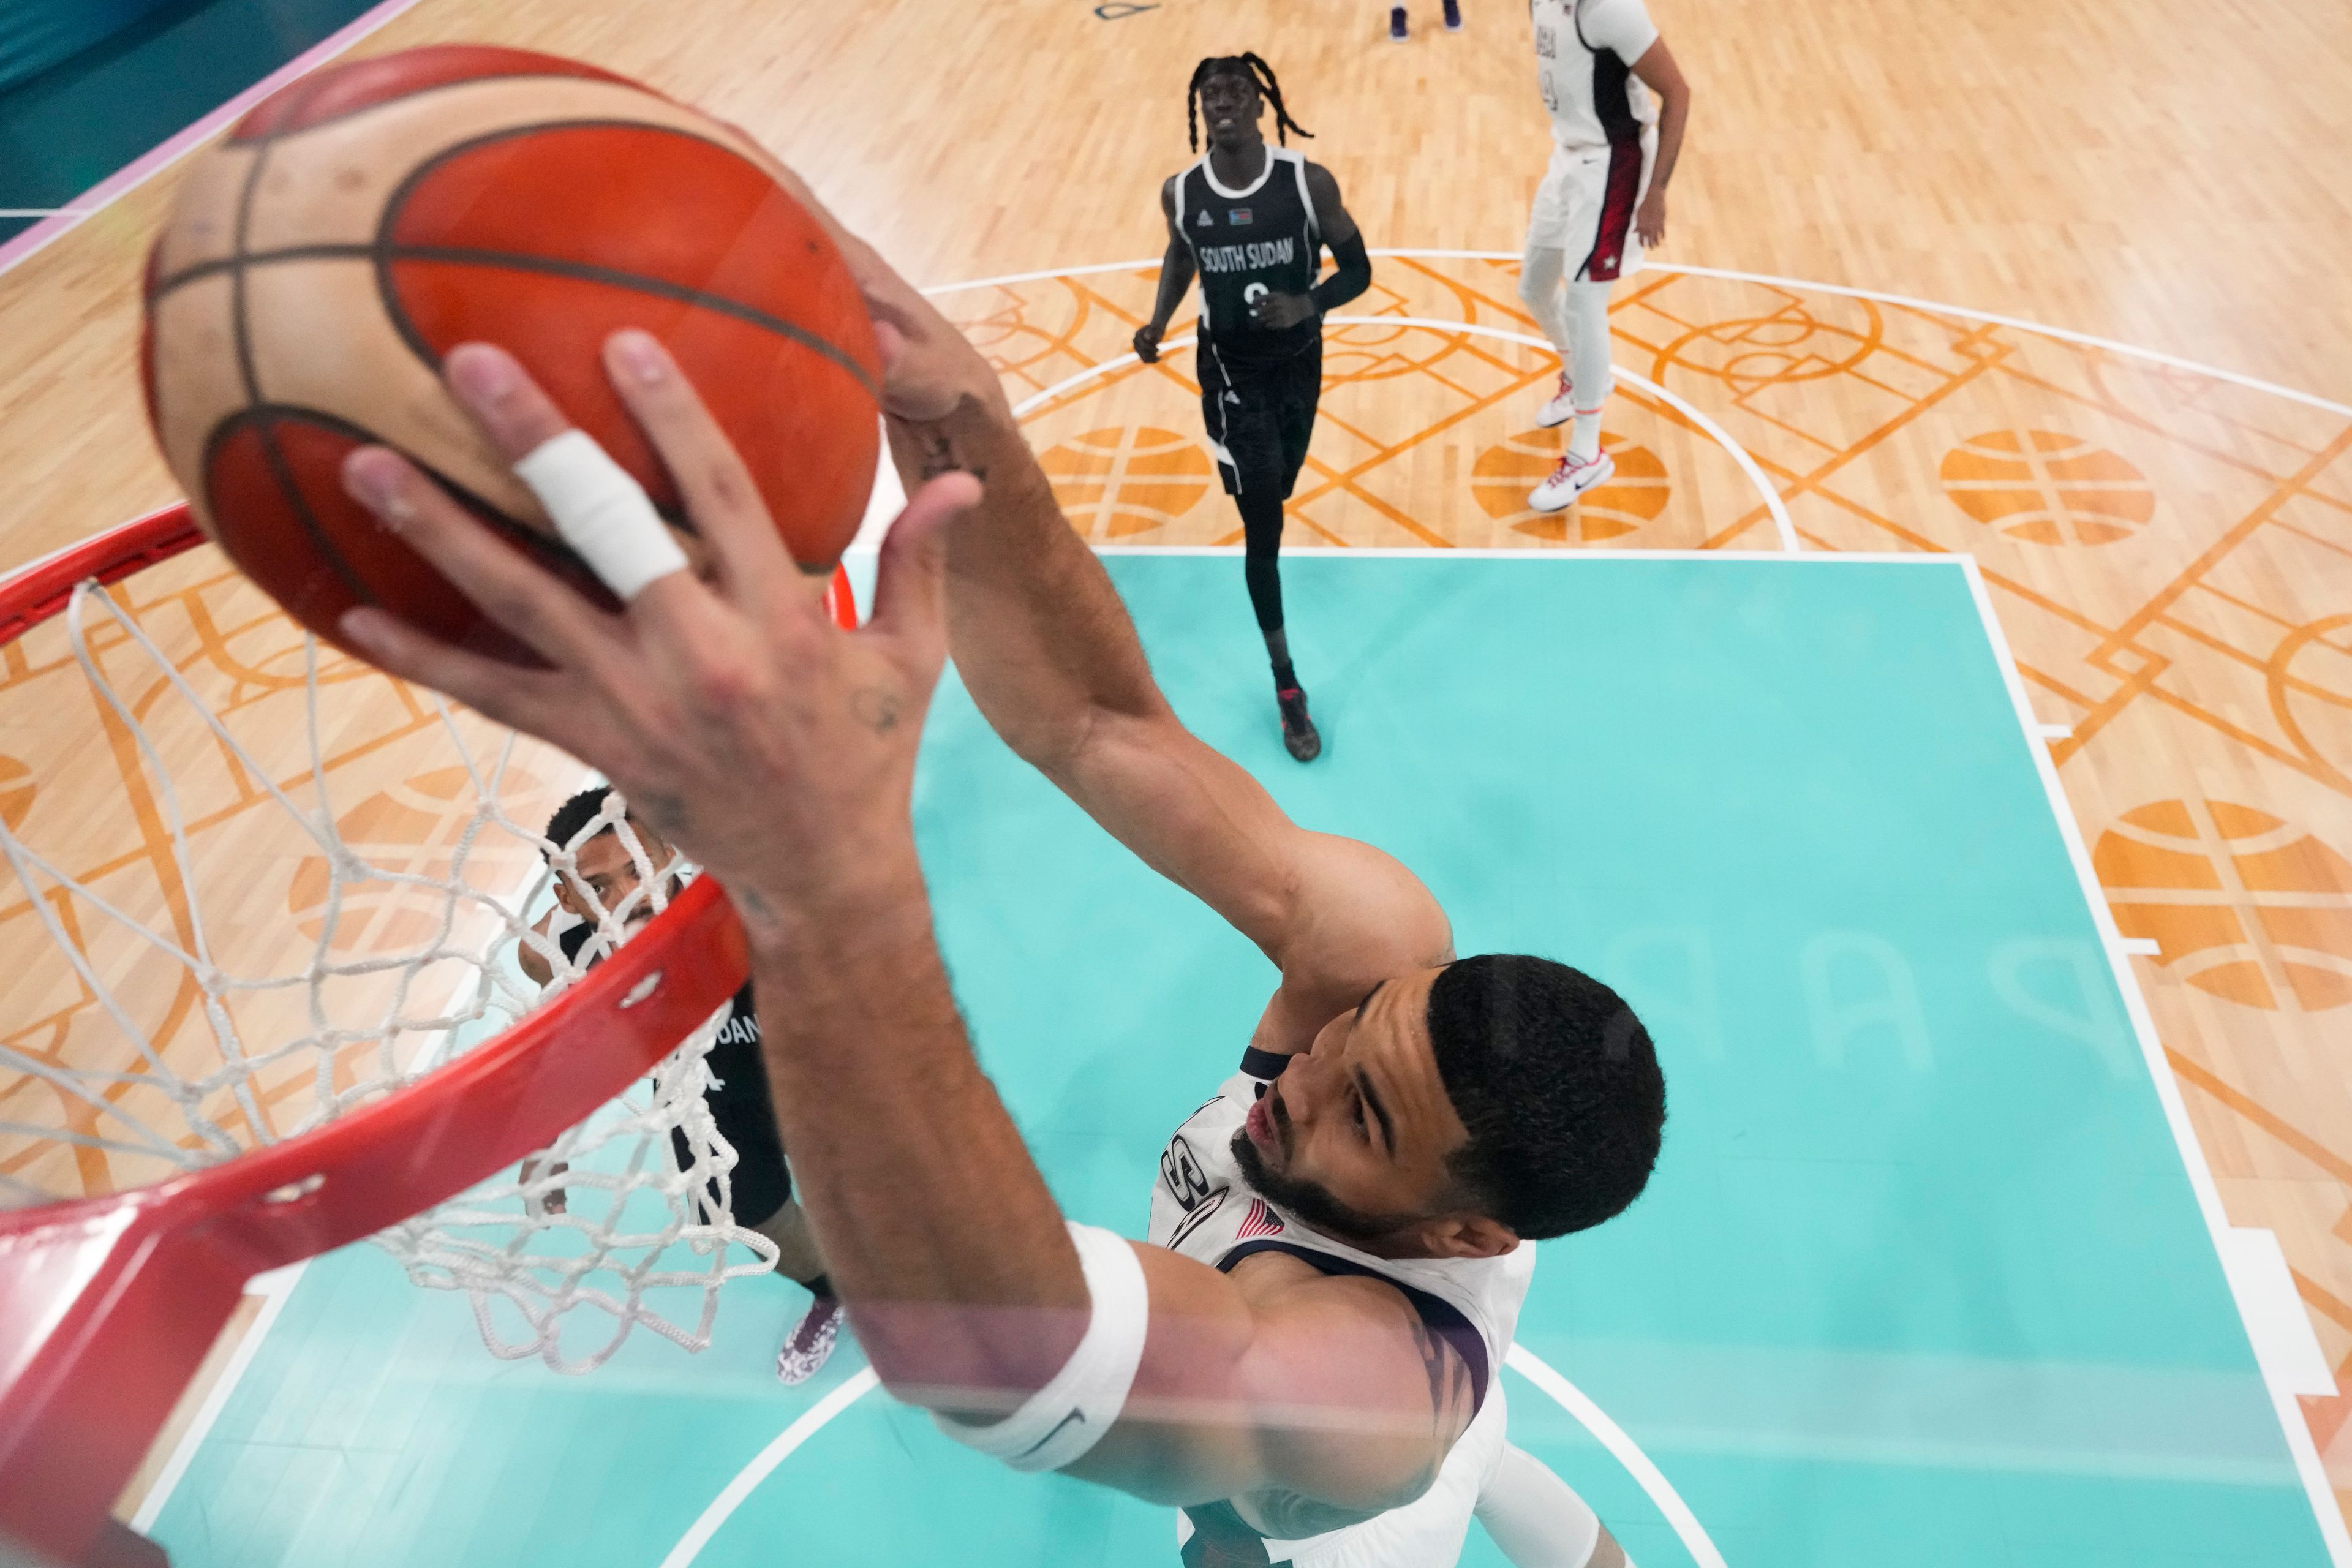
(108, 1305)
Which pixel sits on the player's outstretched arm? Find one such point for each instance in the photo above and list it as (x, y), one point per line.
(1051, 658)
(779, 751)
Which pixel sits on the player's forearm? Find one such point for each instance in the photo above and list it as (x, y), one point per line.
(1352, 277)
(937, 1231)
(1035, 629)
(1175, 282)
(1674, 114)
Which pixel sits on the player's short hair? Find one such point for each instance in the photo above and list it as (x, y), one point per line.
(574, 815)
(1558, 1085)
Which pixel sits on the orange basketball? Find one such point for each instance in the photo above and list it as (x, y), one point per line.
(357, 225)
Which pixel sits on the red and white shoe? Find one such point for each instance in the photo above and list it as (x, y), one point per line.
(1561, 409)
(810, 1344)
(1569, 480)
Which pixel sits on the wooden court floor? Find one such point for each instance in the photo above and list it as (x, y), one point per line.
(2169, 550)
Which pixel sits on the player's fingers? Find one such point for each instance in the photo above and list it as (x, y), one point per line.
(490, 384)
(513, 591)
(597, 508)
(726, 506)
(910, 580)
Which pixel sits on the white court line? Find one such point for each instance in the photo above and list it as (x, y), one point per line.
(1781, 524)
(2283, 1338)
(1627, 1453)
(1530, 554)
(1528, 1365)
(2142, 946)
(1909, 301)
(2054, 732)
(748, 1479)
(2300, 1446)
(161, 156)
(47, 212)
(275, 1289)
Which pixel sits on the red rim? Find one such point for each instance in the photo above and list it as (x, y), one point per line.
(108, 1305)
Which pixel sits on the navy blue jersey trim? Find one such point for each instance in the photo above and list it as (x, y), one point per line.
(1262, 1063)
(1438, 1316)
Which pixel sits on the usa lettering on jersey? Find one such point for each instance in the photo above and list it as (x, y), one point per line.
(1249, 258)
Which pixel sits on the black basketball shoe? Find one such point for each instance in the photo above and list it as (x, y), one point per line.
(1299, 735)
(1396, 24)
(1453, 16)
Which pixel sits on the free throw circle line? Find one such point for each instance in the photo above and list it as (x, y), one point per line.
(1525, 1362)
(747, 1480)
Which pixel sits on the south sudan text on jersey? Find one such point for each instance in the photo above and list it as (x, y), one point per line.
(1247, 257)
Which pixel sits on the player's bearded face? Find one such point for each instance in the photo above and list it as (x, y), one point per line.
(1353, 1138)
(1308, 1199)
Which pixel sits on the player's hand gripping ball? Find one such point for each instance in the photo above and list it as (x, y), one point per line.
(357, 225)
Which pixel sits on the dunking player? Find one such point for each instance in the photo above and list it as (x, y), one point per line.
(1614, 146)
(604, 879)
(1305, 1357)
(1252, 221)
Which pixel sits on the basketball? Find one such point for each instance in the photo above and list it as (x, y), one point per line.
(355, 227)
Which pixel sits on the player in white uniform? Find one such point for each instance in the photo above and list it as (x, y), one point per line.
(1320, 1378)
(1617, 105)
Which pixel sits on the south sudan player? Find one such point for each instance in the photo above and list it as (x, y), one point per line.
(1251, 221)
(604, 877)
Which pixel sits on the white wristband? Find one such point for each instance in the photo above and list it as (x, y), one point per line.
(601, 512)
(1070, 1415)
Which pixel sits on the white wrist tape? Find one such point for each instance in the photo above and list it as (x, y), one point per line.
(1070, 1415)
(601, 512)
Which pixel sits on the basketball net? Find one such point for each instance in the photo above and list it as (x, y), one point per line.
(191, 1008)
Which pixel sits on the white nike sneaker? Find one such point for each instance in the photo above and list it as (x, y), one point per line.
(1570, 480)
(1561, 409)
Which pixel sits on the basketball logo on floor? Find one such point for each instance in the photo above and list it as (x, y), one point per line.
(2046, 488)
(1120, 481)
(2244, 906)
(1634, 496)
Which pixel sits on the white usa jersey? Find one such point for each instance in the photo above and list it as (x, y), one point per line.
(1203, 1207)
(1585, 51)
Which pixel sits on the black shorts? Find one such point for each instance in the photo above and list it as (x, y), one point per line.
(1260, 416)
(760, 1183)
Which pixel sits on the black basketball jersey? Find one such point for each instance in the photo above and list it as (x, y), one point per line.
(1264, 238)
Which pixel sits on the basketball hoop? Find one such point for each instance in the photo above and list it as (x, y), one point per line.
(109, 1302)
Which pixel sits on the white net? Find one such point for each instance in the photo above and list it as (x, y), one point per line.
(260, 884)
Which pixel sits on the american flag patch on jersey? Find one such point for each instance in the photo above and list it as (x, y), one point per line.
(1260, 1221)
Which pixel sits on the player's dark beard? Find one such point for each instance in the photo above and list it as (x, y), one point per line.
(1310, 1201)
